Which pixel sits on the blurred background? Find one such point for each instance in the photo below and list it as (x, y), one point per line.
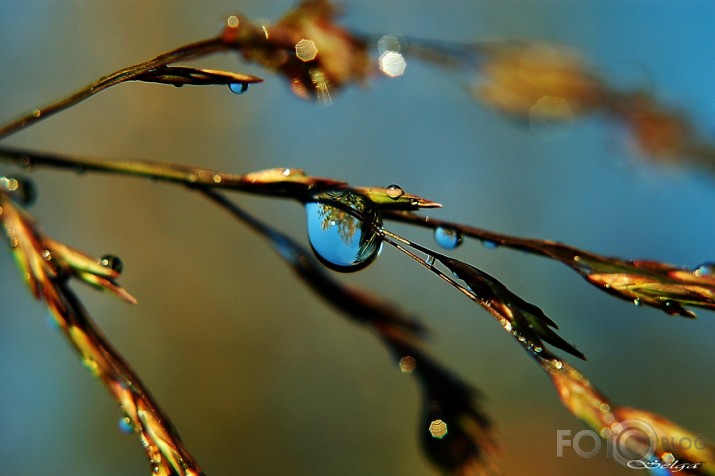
(259, 375)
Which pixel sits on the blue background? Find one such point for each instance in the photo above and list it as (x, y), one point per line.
(260, 376)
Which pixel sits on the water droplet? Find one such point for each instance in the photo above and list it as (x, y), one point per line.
(705, 269)
(155, 468)
(557, 363)
(46, 255)
(126, 425)
(438, 429)
(216, 178)
(27, 162)
(112, 262)
(447, 237)
(341, 240)
(238, 88)
(22, 190)
(507, 326)
(429, 260)
(637, 301)
(394, 191)
(14, 242)
(36, 112)
(408, 364)
(489, 244)
(537, 349)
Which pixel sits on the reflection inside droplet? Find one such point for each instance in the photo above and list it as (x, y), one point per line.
(341, 240)
(238, 88)
(447, 237)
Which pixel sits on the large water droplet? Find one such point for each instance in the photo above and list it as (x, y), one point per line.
(447, 237)
(238, 88)
(112, 262)
(341, 240)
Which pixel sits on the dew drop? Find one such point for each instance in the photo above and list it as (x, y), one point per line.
(21, 190)
(447, 237)
(705, 269)
(112, 262)
(341, 240)
(429, 260)
(408, 364)
(27, 163)
(36, 112)
(538, 349)
(238, 88)
(489, 244)
(637, 301)
(126, 425)
(394, 191)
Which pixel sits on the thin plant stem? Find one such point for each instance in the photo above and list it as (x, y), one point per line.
(192, 50)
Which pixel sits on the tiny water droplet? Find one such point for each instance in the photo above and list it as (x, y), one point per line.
(438, 429)
(112, 262)
(14, 242)
(408, 364)
(429, 260)
(507, 326)
(489, 244)
(394, 191)
(22, 190)
(447, 237)
(341, 240)
(27, 162)
(216, 178)
(46, 255)
(238, 88)
(36, 112)
(637, 301)
(557, 363)
(537, 349)
(155, 468)
(705, 269)
(126, 425)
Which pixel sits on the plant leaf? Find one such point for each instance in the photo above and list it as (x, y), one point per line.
(521, 318)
